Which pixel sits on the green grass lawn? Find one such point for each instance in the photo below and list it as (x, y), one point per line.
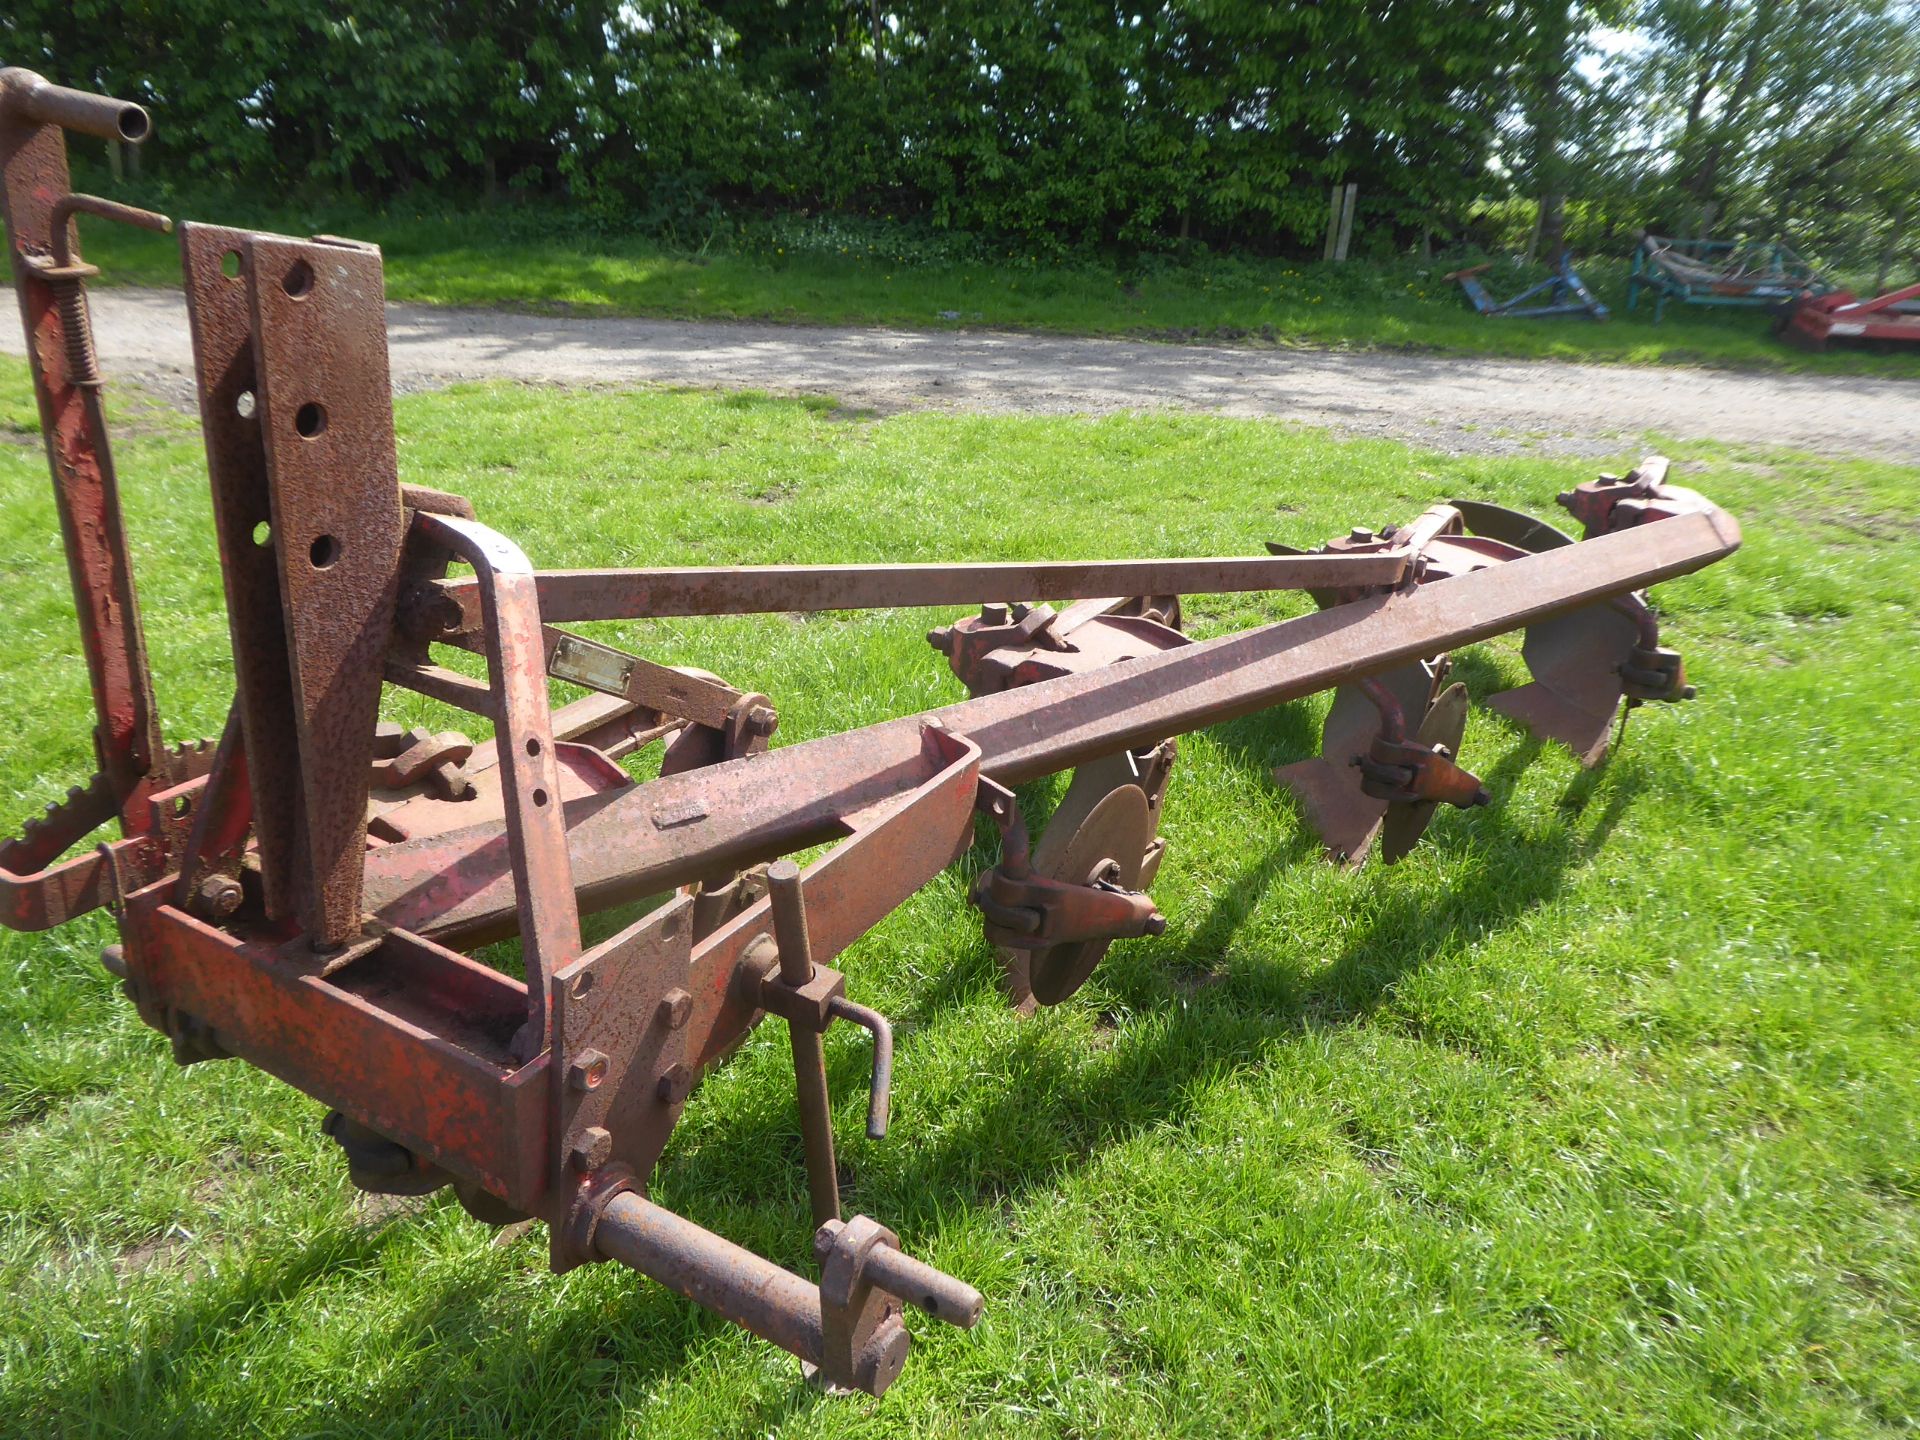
(830, 273)
(1595, 1117)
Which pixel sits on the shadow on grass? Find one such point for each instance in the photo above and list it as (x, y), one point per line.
(1023, 1136)
(461, 1358)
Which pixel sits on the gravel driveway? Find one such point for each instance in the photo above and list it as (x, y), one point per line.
(1447, 402)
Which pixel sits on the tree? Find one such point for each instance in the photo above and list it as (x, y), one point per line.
(1756, 100)
(1554, 101)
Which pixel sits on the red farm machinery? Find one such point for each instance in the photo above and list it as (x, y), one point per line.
(303, 892)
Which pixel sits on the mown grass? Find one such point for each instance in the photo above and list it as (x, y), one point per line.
(1595, 1117)
(827, 272)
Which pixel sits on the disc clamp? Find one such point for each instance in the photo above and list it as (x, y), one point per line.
(1654, 673)
(1403, 772)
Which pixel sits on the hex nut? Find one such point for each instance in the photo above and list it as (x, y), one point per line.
(221, 894)
(676, 1008)
(590, 1148)
(676, 1081)
(588, 1070)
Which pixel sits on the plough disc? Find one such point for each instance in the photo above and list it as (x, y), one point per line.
(1443, 729)
(1328, 785)
(1102, 831)
(1109, 847)
(1511, 527)
(1575, 694)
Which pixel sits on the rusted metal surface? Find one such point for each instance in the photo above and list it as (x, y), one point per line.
(326, 423)
(297, 896)
(743, 590)
(33, 182)
(621, 1013)
(530, 779)
(220, 321)
(739, 813)
(1328, 786)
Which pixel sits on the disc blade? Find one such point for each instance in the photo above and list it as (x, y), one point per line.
(1402, 829)
(1446, 721)
(1497, 522)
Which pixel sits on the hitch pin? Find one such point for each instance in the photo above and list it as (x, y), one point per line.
(795, 949)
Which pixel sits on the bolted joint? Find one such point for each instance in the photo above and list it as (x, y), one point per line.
(1405, 771)
(1025, 911)
(219, 896)
(675, 1084)
(1655, 673)
(588, 1071)
(590, 1148)
(762, 721)
(676, 1008)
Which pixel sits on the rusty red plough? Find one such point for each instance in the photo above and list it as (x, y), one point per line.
(297, 894)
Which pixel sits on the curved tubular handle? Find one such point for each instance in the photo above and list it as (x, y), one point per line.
(25, 95)
(880, 1087)
(68, 206)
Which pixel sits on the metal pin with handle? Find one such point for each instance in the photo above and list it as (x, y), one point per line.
(880, 1087)
(809, 1054)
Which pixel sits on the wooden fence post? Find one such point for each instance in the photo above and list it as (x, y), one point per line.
(1346, 223)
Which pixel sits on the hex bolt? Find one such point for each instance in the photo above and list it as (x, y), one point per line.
(588, 1069)
(221, 894)
(993, 613)
(762, 720)
(676, 1006)
(674, 1084)
(590, 1148)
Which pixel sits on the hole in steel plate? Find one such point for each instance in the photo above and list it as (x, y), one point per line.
(533, 745)
(298, 281)
(310, 419)
(582, 983)
(324, 551)
(539, 797)
(230, 264)
(244, 404)
(263, 534)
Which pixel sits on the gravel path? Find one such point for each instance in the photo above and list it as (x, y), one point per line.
(1447, 402)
